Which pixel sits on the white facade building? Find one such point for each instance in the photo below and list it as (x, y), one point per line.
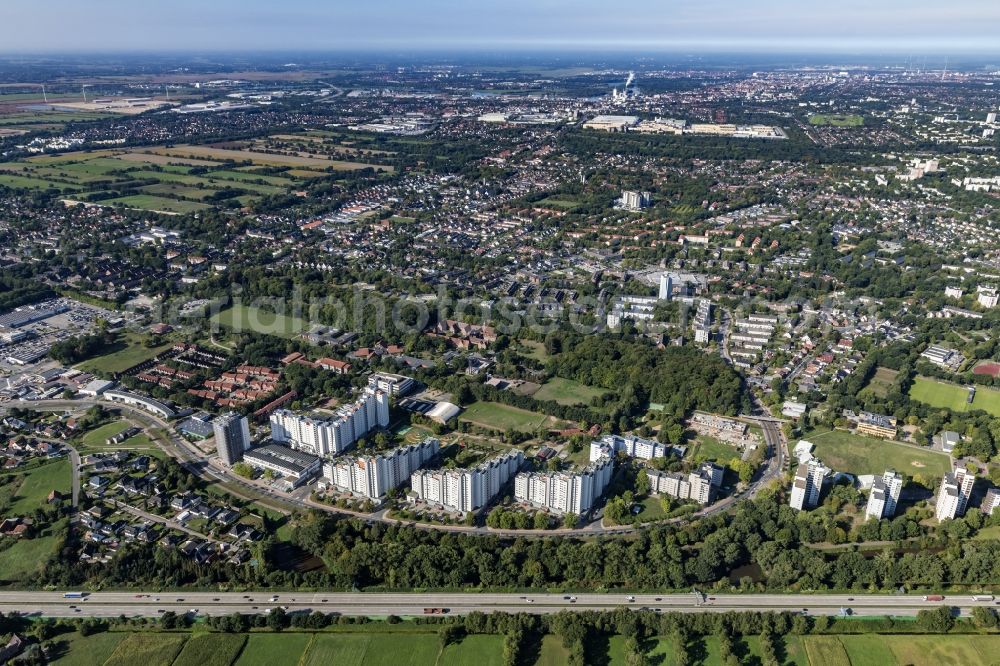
(631, 445)
(565, 492)
(331, 436)
(466, 489)
(698, 486)
(884, 496)
(374, 476)
(953, 496)
(807, 485)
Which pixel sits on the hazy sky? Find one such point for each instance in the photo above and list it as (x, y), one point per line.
(916, 26)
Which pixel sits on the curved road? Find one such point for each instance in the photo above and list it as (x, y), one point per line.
(195, 462)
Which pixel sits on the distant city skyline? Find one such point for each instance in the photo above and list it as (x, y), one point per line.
(889, 26)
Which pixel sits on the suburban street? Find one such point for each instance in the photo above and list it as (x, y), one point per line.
(98, 604)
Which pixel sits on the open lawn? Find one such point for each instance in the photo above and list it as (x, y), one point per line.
(156, 204)
(273, 649)
(837, 120)
(710, 448)
(37, 483)
(500, 417)
(131, 353)
(245, 317)
(535, 350)
(552, 653)
(826, 650)
(266, 159)
(211, 650)
(567, 392)
(954, 397)
(147, 649)
(97, 436)
(855, 454)
(23, 560)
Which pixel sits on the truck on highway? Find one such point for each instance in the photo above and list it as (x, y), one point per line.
(435, 611)
(934, 597)
(982, 597)
(74, 595)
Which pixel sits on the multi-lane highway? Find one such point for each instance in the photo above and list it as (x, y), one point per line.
(151, 604)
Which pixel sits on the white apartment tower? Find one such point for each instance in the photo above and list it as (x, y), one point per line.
(333, 435)
(884, 495)
(466, 489)
(565, 492)
(807, 485)
(374, 476)
(953, 496)
(232, 437)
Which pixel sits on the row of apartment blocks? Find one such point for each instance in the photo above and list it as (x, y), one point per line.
(373, 476)
(634, 447)
(335, 434)
(565, 492)
(698, 486)
(465, 490)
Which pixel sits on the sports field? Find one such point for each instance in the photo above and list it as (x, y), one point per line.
(500, 417)
(567, 392)
(954, 397)
(855, 454)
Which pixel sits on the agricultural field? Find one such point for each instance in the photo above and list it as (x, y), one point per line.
(837, 120)
(568, 392)
(371, 649)
(954, 397)
(500, 417)
(211, 650)
(247, 317)
(273, 649)
(76, 650)
(148, 649)
(177, 180)
(477, 650)
(856, 454)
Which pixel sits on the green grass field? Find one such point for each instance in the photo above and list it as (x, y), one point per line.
(500, 417)
(567, 392)
(147, 649)
(710, 448)
(372, 650)
(535, 350)
(211, 650)
(26, 557)
(245, 317)
(97, 436)
(475, 650)
(132, 353)
(273, 649)
(837, 120)
(37, 483)
(76, 650)
(552, 653)
(954, 397)
(856, 454)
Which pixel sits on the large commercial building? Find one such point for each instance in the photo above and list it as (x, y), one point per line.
(325, 436)
(465, 489)
(807, 485)
(374, 476)
(630, 445)
(232, 437)
(296, 467)
(953, 496)
(884, 495)
(565, 492)
(698, 486)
